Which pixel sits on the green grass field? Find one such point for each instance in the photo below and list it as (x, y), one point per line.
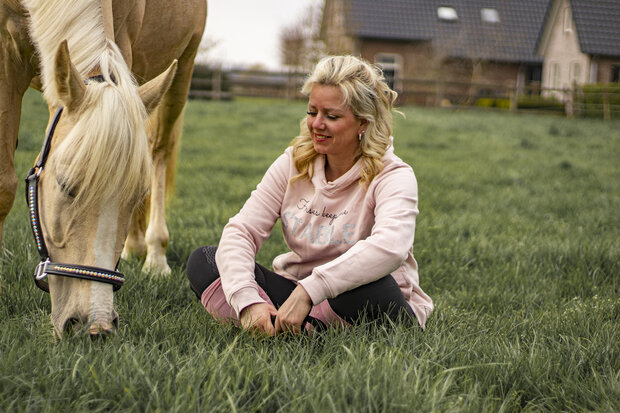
(518, 242)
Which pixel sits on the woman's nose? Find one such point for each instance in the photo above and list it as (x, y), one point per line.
(317, 123)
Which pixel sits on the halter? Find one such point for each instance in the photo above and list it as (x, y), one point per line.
(47, 267)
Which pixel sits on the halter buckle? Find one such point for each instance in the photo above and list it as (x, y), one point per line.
(40, 273)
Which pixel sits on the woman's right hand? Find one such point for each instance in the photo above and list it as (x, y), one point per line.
(256, 318)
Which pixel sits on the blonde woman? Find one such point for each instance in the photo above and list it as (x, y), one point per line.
(348, 207)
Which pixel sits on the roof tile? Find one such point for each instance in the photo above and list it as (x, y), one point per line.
(598, 26)
(512, 39)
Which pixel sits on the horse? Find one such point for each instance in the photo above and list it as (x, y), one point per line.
(115, 75)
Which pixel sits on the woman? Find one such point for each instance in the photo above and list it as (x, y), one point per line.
(348, 207)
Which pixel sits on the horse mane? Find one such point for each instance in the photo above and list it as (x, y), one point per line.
(106, 152)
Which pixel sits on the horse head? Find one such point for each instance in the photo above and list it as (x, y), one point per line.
(97, 172)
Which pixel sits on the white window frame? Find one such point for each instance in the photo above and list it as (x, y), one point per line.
(396, 65)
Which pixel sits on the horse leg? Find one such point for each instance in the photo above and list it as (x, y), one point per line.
(10, 113)
(163, 151)
(135, 244)
(16, 72)
(12, 89)
(167, 125)
(8, 141)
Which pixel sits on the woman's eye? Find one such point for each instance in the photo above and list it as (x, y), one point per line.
(313, 114)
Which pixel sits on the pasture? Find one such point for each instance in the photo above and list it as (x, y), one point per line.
(518, 242)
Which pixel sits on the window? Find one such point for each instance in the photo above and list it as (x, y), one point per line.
(575, 73)
(568, 19)
(615, 74)
(391, 65)
(489, 15)
(447, 13)
(533, 79)
(593, 71)
(555, 76)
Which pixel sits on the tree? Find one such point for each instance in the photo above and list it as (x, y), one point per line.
(300, 46)
(203, 56)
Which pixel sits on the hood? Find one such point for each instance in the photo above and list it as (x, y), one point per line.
(352, 176)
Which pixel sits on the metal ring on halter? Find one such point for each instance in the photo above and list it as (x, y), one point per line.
(46, 267)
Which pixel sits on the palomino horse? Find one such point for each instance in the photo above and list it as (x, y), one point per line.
(109, 64)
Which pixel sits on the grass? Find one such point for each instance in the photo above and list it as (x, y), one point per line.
(518, 242)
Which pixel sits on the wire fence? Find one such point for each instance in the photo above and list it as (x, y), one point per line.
(595, 101)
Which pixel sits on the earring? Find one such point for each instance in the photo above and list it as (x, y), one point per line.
(359, 136)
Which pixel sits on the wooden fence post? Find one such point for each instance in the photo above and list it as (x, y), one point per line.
(289, 91)
(606, 108)
(438, 93)
(568, 103)
(514, 99)
(216, 84)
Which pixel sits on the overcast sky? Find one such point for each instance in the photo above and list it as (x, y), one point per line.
(247, 31)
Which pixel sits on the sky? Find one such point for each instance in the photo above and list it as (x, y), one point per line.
(247, 32)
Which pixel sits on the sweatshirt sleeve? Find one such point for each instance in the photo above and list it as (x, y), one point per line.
(383, 251)
(245, 233)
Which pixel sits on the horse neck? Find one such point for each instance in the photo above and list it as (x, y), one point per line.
(52, 21)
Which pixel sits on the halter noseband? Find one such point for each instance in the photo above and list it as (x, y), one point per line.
(46, 267)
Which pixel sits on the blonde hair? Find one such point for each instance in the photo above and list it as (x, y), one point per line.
(370, 98)
(106, 152)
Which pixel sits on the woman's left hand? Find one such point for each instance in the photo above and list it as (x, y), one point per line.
(292, 313)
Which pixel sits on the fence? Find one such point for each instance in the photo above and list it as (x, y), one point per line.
(595, 101)
(217, 84)
(599, 101)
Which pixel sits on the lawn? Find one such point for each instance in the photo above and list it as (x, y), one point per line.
(518, 242)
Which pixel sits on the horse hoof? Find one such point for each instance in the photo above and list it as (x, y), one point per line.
(156, 266)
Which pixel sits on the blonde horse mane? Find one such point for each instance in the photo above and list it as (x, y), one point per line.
(106, 152)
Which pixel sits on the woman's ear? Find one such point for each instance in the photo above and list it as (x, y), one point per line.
(363, 126)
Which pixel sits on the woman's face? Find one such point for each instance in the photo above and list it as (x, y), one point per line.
(333, 127)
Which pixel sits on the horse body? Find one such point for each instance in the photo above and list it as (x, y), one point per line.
(101, 158)
(148, 46)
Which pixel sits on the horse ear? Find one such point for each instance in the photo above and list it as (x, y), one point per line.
(154, 90)
(69, 83)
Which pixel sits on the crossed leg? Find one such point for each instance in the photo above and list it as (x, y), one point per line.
(371, 302)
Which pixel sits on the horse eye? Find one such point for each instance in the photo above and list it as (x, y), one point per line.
(65, 188)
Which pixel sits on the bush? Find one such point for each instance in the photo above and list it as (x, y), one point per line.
(590, 100)
(485, 102)
(502, 103)
(488, 102)
(540, 103)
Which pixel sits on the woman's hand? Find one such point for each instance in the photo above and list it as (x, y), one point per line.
(256, 318)
(293, 312)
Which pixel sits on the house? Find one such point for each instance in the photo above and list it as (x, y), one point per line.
(580, 43)
(480, 44)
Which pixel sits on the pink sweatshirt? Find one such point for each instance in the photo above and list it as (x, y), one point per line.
(341, 235)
